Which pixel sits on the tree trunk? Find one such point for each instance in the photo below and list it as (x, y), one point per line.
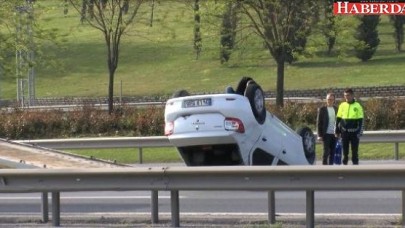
(280, 83)
(197, 26)
(111, 62)
(151, 13)
(111, 91)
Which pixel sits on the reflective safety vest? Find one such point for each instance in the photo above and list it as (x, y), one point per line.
(350, 117)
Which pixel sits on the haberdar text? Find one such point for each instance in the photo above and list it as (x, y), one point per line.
(369, 8)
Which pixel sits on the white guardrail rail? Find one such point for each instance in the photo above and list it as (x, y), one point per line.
(232, 178)
(388, 136)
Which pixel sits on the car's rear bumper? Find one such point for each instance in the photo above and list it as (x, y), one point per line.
(202, 138)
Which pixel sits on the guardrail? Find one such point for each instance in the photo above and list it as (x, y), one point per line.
(102, 143)
(233, 178)
(389, 136)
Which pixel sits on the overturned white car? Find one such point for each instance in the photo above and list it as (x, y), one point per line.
(234, 128)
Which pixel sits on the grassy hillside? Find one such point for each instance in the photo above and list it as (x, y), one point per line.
(160, 59)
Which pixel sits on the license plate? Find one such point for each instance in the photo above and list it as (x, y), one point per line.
(197, 102)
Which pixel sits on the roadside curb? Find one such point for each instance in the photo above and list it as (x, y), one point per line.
(207, 220)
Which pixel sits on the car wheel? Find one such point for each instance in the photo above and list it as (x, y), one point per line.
(255, 95)
(308, 143)
(180, 93)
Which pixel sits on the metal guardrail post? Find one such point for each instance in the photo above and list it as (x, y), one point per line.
(271, 207)
(175, 208)
(396, 150)
(44, 207)
(403, 207)
(140, 155)
(55, 209)
(155, 206)
(310, 214)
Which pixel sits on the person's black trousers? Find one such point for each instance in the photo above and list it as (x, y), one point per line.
(352, 139)
(329, 144)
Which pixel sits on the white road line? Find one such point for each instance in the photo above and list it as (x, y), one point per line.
(124, 214)
(85, 197)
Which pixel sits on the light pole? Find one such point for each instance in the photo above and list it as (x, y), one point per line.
(25, 54)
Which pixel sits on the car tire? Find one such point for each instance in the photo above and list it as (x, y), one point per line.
(255, 95)
(180, 93)
(240, 89)
(308, 143)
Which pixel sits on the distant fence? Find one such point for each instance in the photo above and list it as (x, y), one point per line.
(375, 91)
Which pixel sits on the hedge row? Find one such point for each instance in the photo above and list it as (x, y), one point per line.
(89, 121)
(130, 121)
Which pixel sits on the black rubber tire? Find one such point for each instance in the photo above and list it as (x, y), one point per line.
(180, 93)
(242, 85)
(308, 143)
(255, 95)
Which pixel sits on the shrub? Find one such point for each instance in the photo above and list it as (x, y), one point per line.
(295, 114)
(386, 113)
(150, 121)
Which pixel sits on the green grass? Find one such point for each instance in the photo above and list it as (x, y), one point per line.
(367, 151)
(131, 155)
(160, 59)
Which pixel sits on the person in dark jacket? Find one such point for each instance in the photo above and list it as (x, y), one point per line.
(350, 126)
(326, 120)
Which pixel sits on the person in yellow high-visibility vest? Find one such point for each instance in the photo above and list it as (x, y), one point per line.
(350, 126)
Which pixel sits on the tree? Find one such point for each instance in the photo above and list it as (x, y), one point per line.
(112, 21)
(274, 21)
(24, 41)
(329, 28)
(398, 22)
(299, 41)
(197, 28)
(65, 7)
(367, 35)
(228, 30)
(7, 38)
(152, 6)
